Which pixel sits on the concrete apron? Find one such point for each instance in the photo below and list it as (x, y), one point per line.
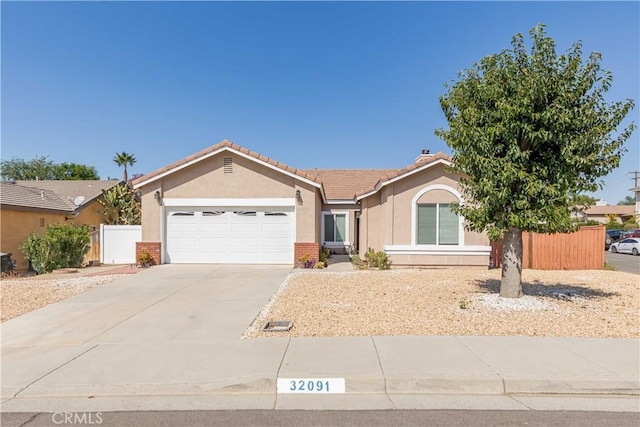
(168, 338)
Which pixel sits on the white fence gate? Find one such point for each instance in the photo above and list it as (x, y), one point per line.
(118, 243)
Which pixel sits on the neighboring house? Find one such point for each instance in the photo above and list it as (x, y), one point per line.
(27, 206)
(227, 204)
(602, 212)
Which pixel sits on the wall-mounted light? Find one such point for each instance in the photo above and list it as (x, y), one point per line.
(298, 197)
(157, 196)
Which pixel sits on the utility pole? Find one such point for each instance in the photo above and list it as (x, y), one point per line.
(636, 176)
(636, 191)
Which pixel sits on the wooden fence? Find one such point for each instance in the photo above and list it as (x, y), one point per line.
(582, 250)
(93, 256)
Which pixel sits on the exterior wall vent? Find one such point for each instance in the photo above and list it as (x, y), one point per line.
(228, 165)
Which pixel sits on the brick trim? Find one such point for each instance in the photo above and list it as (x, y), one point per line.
(152, 247)
(301, 249)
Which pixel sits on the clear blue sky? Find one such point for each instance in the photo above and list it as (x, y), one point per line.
(327, 85)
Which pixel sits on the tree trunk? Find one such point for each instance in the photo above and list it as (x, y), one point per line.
(511, 284)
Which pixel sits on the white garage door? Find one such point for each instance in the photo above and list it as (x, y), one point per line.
(228, 235)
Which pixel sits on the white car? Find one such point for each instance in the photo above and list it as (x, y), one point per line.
(630, 245)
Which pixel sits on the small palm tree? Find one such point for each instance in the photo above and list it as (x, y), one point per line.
(124, 159)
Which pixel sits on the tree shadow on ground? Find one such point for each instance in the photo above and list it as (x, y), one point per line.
(558, 291)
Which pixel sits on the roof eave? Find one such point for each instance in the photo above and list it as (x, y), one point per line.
(148, 181)
(381, 184)
(23, 208)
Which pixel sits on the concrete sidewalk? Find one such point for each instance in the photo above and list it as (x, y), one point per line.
(168, 338)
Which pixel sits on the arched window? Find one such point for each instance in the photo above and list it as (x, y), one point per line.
(433, 221)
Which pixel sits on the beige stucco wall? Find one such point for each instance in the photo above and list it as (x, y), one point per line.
(371, 227)
(387, 214)
(16, 225)
(405, 190)
(206, 179)
(151, 212)
(307, 218)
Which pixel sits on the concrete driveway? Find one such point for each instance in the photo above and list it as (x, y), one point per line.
(168, 338)
(175, 325)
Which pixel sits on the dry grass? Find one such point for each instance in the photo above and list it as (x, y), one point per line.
(457, 302)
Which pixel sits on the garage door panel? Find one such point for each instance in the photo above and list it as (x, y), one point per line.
(241, 235)
(214, 230)
(178, 229)
(243, 231)
(244, 257)
(275, 230)
(244, 243)
(274, 244)
(213, 257)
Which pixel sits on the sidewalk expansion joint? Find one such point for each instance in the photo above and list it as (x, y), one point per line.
(54, 369)
(386, 392)
(504, 385)
(582, 356)
(284, 354)
(515, 398)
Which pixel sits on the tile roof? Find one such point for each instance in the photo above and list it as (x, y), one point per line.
(51, 195)
(344, 184)
(337, 184)
(228, 144)
(611, 209)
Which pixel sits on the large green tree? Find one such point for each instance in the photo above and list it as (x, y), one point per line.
(530, 131)
(124, 159)
(584, 200)
(43, 168)
(628, 200)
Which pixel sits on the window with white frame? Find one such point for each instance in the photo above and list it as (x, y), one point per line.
(335, 227)
(437, 224)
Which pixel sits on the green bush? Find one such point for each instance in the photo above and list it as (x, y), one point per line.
(378, 259)
(325, 254)
(356, 260)
(631, 223)
(612, 225)
(61, 246)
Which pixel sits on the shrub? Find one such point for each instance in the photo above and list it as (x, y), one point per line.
(61, 246)
(612, 225)
(631, 223)
(356, 260)
(378, 260)
(325, 254)
(305, 261)
(145, 258)
(318, 265)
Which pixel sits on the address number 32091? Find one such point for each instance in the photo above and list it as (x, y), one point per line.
(311, 385)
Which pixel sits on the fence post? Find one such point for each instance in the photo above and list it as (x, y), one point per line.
(101, 244)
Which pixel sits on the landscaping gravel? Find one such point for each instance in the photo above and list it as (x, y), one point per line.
(461, 301)
(20, 296)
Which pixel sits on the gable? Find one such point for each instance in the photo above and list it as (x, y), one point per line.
(227, 175)
(224, 146)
